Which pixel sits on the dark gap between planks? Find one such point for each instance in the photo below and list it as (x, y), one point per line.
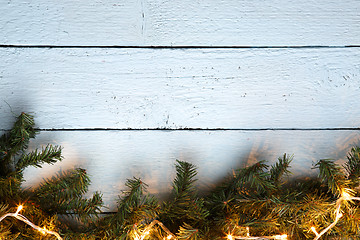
(189, 129)
(169, 47)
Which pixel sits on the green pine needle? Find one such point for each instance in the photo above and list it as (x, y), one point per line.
(50, 155)
(331, 174)
(186, 232)
(255, 177)
(352, 166)
(280, 168)
(185, 206)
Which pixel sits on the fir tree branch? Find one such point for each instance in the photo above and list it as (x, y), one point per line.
(65, 192)
(332, 175)
(134, 208)
(5, 226)
(15, 142)
(135, 192)
(85, 209)
(279, 169)
(352, 166)
(350, 223)
(9, 187)
(256, 177)
(185, 206)
(183, 184)
(18, 138)
(61, 194)
(50, 154)
(186, 232)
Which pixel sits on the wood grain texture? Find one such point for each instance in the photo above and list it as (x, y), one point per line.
(111, 157)
(79, 88)
(173, 89)
(180, 22)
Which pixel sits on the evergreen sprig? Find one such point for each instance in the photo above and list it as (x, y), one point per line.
(258, 198)
(62, 194)
(135, 206)
(15, 142)
(187, 232)
(50, 155)
(332, 175)
(279, 169)
(135, 209)
(184, 208)
(352, 166)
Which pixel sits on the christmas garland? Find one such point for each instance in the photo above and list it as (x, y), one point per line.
(255, 203)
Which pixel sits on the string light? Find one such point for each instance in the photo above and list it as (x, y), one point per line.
(229, 236)
(28, 222)
(275, 237)
(150, 226)
(345, 196)
(20, 207)
(141, 237)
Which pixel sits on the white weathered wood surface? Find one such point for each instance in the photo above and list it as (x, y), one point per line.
(316, 87)
(111, 157)
(196, 88)
(180, 22)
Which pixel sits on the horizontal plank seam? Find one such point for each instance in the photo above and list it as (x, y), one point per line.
(170, 47)
(189, 129)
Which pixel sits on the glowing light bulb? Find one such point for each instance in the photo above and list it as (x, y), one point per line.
(18, 209)
(314, 230)
(280, 237)
(283, 237)
(43, 230)
(229, 237)
(169, 237)
(346, 195)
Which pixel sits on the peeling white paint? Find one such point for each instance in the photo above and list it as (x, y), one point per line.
(196, 88)
(180, 22)
(142, 88)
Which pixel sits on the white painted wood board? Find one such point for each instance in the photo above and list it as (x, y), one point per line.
(180, 22)
(182, 88)
(111, 157)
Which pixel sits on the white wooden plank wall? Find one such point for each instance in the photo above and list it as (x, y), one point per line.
(180, 22)
(129, 87)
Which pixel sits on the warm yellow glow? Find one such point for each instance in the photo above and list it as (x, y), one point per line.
(28, 222)
(169, 237)
(314, 230)
(229, 237)
(43, 230)
(146, 233)
(18, 209)
(283, 237)
(346, 195)
(247, 231)
(279, 237)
